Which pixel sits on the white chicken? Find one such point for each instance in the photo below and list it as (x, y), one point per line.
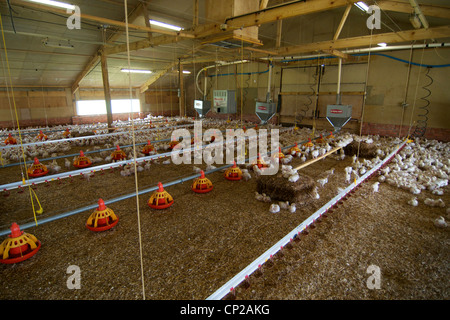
(440, 222)
(413, 202)
(375, 186)
(274, 208)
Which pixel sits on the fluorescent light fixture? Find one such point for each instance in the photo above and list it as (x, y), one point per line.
(165, 25)
(55, 4)
(382, 44)
(135, 71)
(186, 72)
(362, 6)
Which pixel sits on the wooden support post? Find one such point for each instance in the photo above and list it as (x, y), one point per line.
(279, 27)
(343, 19)
(195, 22)
(181, 88)
(106, 89)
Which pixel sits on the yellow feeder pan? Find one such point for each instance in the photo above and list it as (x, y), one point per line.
(233, 173)
(295, 148)
(279, 155)
(10, 140)
(321, 139)
(148, 148)
(172, 144)
(37, 169)
(118, 154)
(82, 161)
(102, 219)
(19, 246)
(160, 199)
(309, 143)
(202, 184)
(260, 162)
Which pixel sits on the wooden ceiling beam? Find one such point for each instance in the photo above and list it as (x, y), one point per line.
(364, 41)
(271, 14)
(405, 7)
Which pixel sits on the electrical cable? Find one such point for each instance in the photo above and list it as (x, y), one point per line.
(134, 152)
(422, 122)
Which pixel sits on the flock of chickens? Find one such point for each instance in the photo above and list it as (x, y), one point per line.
(422, 165)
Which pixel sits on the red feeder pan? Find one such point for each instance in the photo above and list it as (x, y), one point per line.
(279, 155)
(118, 154)
(160, 199)
(295, 148)
(41, 136)
(172, 144)
(37, 169)
(10, 140)
(309, 143)
(202, 184)
(260, 162)
(321, 139)
(233, 173)
(102, 219)
(19, 246)
(148, 148)
(82, 161)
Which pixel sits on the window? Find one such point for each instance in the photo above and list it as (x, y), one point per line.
(90, 107)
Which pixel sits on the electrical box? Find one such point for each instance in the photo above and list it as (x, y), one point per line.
(202, 107)
(224, 101)
(265, 110)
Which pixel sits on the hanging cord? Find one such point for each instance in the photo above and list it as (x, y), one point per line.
(24, 168)
(365, 93)
(134, 151)
(415, 95)
(8, 93)
(43, 97)
(319, 72)
(408, 76)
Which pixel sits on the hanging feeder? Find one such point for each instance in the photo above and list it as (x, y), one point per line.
(172, 144)
(295, 148)
(102, 219)
(118, 155)
(202, 184)
(309, 143)
(233, 173)
(279, 155)
(82, 161)
(260, 162)
(41, 136)
(321, 139)
(10, 140)
(160, 199)
(19, 246)
(148, 148)
(37, 169)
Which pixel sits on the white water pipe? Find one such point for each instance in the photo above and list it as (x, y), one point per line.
(363, 50)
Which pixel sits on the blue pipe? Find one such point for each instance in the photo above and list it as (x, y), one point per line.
(376, 54)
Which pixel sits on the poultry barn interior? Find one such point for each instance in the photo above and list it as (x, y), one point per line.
(225, 150)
